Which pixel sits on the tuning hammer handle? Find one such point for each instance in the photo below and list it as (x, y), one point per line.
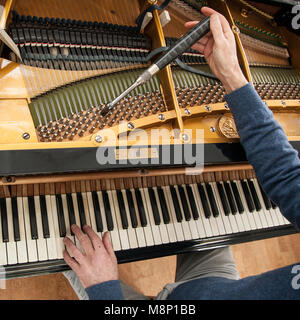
(184, 43)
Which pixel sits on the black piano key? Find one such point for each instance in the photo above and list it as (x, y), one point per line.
(60, 215)
(212, 200)
(81, 209)
(163, 205)
(107, 209)
(176, 204)
(254, 195)
(44, 214)
(230, 198)
(15, 216)
(97, 211)
(141, 208)
(273, 204)
(4, 222)
(223, 198)
(247, 194)
(237, 197)
(155, 211)
(32, 218)
(192, 201)
(133, 217)
(265, 198)
(186, 210)
(204, 201)
(71, 211)
(122, 209)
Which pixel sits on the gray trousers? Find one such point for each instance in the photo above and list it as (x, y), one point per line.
(190, 266)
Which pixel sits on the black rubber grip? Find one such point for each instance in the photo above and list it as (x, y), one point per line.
(184, 43)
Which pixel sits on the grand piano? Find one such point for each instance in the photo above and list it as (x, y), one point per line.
(164, 171)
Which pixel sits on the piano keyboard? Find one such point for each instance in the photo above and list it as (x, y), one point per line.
(32, 227)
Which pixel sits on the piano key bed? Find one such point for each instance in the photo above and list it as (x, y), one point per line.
(146, 217)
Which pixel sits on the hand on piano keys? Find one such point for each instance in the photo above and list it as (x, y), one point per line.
(94, 260)
(33, 228)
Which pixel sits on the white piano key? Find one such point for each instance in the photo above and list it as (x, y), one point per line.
(22, 244)
(31, 243)
(246, 210)
(231, 217)
(219, 218)
(51, 241)
(115, 237)
(77, 219)
(212, 221)
(150, 219)
(162, 226)
(144, 234)
(268, 214)
(278, 216)
(177, 226)
(92, 213)
(130, 231)
(12, 257)
(185, 225)
(169, 226)
(3, 253)
(192, 223)
(244, 218)
(225, 219)
(104, 222)
(122, 232)
(41, 241)
(198, 222)
(202, 218)
(60, 247)
(265, 215)
(86, 208)
(249, 215)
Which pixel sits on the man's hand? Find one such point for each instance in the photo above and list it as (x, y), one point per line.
(219, 48)
(97, 263)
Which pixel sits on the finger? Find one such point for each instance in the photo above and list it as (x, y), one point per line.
(108, 246)
(96, 241)
(70, 261)
(84, 240)
(199, 47)
(73, 250)
(190, 24)
(224, 23)
(208, 11)
(216, 29)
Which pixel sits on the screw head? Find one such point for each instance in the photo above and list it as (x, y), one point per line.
(26, 136)
(207, 108)
(161, 116)
(226, 106)
(187, 111)
(98, 139)
(130, 125)
(212, 129)
(185, 137)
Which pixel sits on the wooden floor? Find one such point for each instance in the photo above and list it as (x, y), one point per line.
(150, 276)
